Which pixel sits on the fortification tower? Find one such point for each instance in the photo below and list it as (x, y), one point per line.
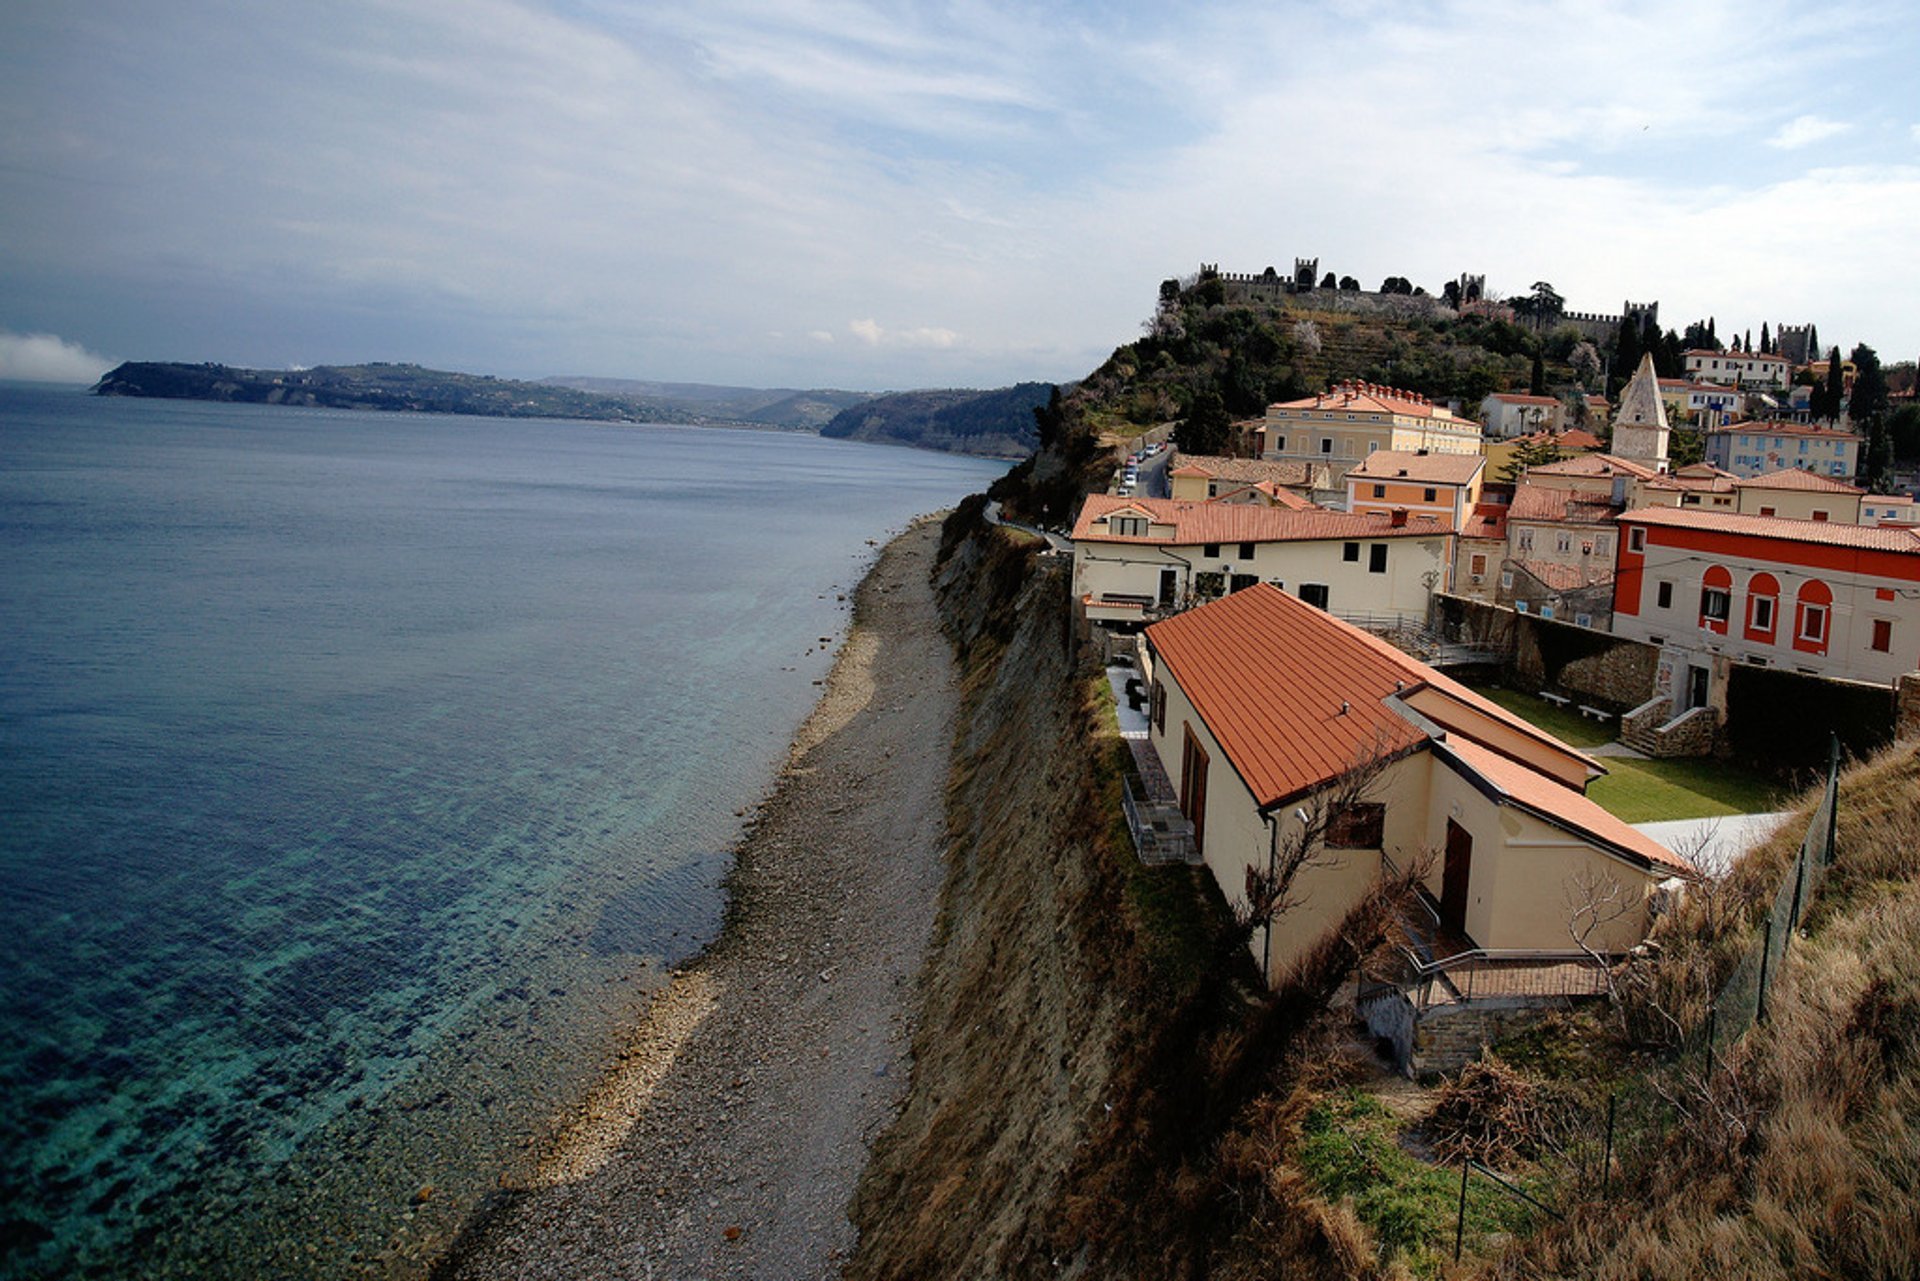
(1640, 427)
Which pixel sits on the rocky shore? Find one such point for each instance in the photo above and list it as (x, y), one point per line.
(728, 1140)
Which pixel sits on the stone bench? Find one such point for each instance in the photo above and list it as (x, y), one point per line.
(1598, 713)
(1558, 700)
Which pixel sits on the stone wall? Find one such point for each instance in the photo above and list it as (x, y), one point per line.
(1447, 1037)
(1592, 666)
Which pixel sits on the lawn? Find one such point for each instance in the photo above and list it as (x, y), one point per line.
(1646, 791)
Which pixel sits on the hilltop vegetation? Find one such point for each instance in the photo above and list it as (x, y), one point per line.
(997, 423)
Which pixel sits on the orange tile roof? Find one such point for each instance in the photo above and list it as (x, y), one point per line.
(1372, 398)
(1736, 355)
(1833, 533)
(1488, 520)
(1758, 427)
(1244, 469)
(1421, 469)
(1200, 523)
(1566, 578)
(1269, 675)
(1566, 506)
(1594, 465)
(1521, 398)
(1562, 806)
(1795, 479)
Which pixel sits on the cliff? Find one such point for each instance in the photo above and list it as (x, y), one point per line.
(996, 423)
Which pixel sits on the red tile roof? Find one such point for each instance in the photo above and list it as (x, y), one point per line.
(1488, 520)
(1567, 578)
(1358, 397)
(1520, 398)
(1887, 538)
(1202, 523)
(1757, 427)
(1250, 470)
(1294, 696)
(1795, 479)
(1594, 465)
(1420, 469)
(1562, 806)
(1563, 506)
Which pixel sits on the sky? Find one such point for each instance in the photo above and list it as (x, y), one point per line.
(830, 193)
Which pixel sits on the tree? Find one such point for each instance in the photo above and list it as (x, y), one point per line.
(1349, 285)
(1306, 336)
(1868, 408)
(1537, 380)
(1528, 452)
(1048, 420)
(1813, 342)
(1206, 428)
(1328, 282)
(1628, 347)
(1766, 340)
(1585, 362)
(1547, 303)
(1450, 294)
(1833, 393)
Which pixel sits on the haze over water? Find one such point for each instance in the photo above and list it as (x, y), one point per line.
(359, 773)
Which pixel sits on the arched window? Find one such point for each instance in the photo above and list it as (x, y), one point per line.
(1813, 617)
(1716, 600)
(1763, 608)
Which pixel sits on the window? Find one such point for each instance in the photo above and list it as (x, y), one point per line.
(1129, 526)
(1314, 594)
(1714, 603)
(1637, 539)
(1350, 551)
(1762, 614)
(1583, 620)
(1279, 444)
(1159, 706)
(1477, 564)
(1246, 551)
(1210, 550)
(1506, 578)
(1326, 444)
(1379, 491)
(1813, 623)
(1526, 540)
(1663, 596)
(1819, 515)
(1360, 826)
(1766, 511)
(1520, 606)
(1883, 635)
(1377, 559)
(1427, 495)
(1563, 541)
(1546, 611)
(1240, 582)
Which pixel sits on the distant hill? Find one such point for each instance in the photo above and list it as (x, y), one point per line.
(996, 423)
(776, 407)
(414, 389)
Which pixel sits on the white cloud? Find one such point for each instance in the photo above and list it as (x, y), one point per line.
(49, 358)
(1804, 131)
(868, 331)
(925, 337)
(819, 335)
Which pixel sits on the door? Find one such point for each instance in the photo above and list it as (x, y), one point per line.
(1453, 882)
(1696, 687)
(1169, 586)
(1193, 786)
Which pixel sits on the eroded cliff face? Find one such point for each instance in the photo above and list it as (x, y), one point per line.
(1090, 1038)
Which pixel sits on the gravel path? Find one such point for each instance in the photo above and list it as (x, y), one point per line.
(728, 1143)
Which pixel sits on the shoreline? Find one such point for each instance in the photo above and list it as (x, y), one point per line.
(728, 1136)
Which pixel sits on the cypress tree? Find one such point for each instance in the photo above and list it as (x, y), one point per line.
(1830, 403)
(1537, 383)
(1766, 340)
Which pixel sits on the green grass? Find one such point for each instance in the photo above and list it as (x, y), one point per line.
(1645, 791)
(1349, 1147)
(1564, 723)
(1692, 787)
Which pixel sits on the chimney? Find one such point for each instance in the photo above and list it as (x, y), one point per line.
(1399, 518)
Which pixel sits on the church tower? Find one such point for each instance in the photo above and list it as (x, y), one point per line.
(1640, 426)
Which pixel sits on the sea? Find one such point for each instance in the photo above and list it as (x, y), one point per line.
(360, 776)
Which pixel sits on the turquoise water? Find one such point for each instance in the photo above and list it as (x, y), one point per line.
(358, 775)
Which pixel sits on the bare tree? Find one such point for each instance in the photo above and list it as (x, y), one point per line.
(1306, 336)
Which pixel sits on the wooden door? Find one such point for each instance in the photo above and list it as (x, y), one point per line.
(1193, 786)
(1453, 882)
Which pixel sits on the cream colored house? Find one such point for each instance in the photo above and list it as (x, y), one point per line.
(1799, 495)
(1351, 420)
(1261, 703)
(1136, 559)
(1198, 478)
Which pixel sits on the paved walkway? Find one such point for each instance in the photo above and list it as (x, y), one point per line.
(1715, 844)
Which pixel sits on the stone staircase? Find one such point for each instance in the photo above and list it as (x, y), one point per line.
(1653, 729)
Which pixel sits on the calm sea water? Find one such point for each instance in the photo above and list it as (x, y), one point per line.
(359, 774)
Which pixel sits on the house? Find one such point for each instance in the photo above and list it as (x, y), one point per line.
(1260, 705)
(1704, 404)
(1602, 475)
(1739, 368)
(1506, 414)
(1559, 555)
(1200, 477)
(1479, 549)
(1444, 486)
(1135, 559)
(1799, 495)
(1889, 509)
(1750, 448)
(1695, 485)
(1353, 419)
(1822, 597)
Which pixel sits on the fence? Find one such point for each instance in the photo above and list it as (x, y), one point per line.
(1638, 1122)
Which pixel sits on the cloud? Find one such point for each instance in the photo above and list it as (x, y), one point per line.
(927, 337)
(867, 331)
(1804, 131)
(48, 358)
